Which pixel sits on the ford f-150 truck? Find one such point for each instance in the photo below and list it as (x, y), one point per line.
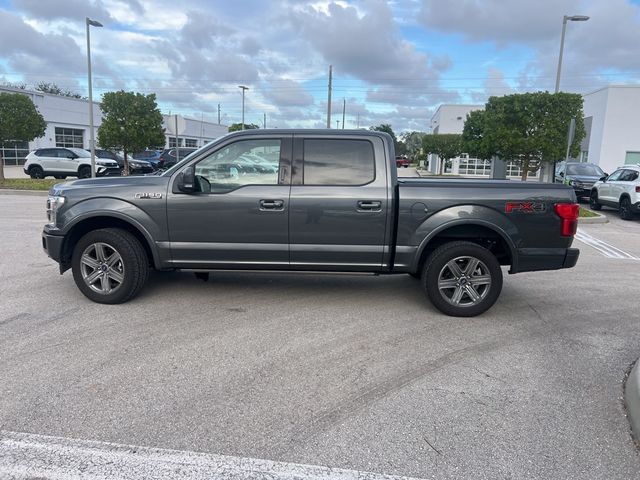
(314, 200)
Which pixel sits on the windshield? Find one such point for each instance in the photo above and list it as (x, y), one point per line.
(584, 169)
(80, 152)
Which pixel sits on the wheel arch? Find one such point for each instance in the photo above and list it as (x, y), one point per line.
(480, 232)
(105, 220)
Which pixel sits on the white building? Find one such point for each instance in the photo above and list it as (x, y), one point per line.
(612, 127)
(68, 126)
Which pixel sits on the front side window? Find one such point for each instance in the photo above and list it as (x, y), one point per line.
(628, 176)
(338, 162)
(615, 176)
(245, 162)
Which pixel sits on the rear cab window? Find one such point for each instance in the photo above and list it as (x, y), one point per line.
(338, 162)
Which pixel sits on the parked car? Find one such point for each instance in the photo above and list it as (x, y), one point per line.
(335, 205)
(620, 190)
(168, 157)
(67, 162)
(580, 176)
(101, 153)
(151, 156)
(402, 161)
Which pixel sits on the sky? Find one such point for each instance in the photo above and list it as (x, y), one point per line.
(394, 62)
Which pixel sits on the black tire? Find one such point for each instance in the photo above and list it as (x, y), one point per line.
(124, 278)
(625, 209)
(463, 256)
(593, 201)
(36, 171)
(84, 172)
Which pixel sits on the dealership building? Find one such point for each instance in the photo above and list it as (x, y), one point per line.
(611, 126)
(68, 126)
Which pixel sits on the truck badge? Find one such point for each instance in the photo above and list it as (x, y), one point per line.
(152, 196)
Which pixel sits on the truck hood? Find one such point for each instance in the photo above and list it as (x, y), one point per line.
(99, 185)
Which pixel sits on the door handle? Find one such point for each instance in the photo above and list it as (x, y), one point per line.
(369, 205)
(271, 205)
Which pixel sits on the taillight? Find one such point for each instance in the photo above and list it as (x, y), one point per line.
(637, 188)
(568, 212)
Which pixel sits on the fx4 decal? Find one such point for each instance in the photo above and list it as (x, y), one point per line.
(524, 207)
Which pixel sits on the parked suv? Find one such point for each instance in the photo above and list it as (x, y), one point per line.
(620, 190)
(580, 176)
(168, 157)
(136, 167)
(67, 162)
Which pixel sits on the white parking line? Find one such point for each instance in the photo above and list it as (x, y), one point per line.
(24, 456)
(604, 248)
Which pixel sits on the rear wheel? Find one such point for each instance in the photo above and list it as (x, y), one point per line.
(109, 265)
(625, 209)
(462, 279)
(36, 172)
(593, 201)
(84, 172)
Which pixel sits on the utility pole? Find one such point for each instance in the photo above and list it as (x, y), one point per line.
(337, 123)
(218, 114)
(329, 99)
(177, 143)
(358, 120)
(344, 105)
(264, 120)
(244, 89)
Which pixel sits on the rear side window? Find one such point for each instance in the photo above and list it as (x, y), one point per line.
(46, 152)
(338, 162)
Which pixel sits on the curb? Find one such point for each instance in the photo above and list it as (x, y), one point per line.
(599, 219)
(632, 400)
(37, 193)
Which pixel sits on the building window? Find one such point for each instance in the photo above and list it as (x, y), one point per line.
(632, 158)
(14, 153)
(514, 170)
(69, 137)
(474, 166)
(190, 142)
(172, 142)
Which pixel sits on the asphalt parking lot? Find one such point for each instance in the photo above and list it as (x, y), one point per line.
(351, 372)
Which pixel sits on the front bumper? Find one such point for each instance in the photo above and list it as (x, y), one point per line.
(52, 244)
(536, 259)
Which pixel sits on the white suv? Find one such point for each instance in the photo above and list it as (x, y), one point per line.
(620, 190)
(66, 162)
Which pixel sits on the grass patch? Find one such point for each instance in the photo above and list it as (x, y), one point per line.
(28, 183)
(584, 213)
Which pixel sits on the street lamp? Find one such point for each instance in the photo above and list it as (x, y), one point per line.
(91, 23)
(565, 19)
(243, 90)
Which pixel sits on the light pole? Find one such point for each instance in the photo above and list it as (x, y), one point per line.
(565, 19)
(92, 140)
(243, 90)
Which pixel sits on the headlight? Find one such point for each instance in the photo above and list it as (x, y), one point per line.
(53, 204)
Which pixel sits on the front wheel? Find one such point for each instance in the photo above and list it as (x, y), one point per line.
(84, 172)
(462, 279)
(109, 265)
(593, 201)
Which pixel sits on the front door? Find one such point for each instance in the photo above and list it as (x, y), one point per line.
(339, 203)
(239, 217)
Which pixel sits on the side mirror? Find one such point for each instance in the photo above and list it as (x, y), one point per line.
(604, 178)
(187, 180)
(561, 174)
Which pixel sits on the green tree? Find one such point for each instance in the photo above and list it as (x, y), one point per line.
(413, 144)
(53, 89)
(385, 127)
(131, 122)
(445, 145)
(474, 138)
(530, 128)
(20, 121)
(235, 127)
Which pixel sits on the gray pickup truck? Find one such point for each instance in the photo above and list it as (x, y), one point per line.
(314, 200)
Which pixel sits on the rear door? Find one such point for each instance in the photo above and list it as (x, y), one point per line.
(339, 203)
